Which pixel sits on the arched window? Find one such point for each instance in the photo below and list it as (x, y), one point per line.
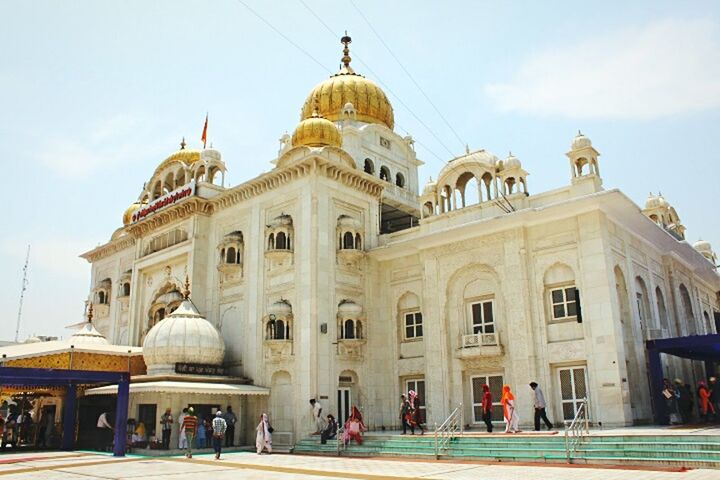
(230, 257)
(708, 324)
(687, 311)
(126, 289)
(349, 329)
(385, 174)
(358, 241)
(348, 241)
(400, 180)
(101, 297)
(271, 242)
(270, 330)
(281, 241)
(369, 167)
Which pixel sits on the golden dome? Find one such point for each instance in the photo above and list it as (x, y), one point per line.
(184, 155)
(316, 131)
(127, 216)
(329, 97)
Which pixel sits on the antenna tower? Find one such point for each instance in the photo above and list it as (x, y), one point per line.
(22, 293)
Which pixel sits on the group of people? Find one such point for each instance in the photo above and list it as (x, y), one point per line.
(352, 429)
(679, 399)
(410, 413)
(215, 430)
(510, 414)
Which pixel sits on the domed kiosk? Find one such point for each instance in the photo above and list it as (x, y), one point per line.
(184, 355)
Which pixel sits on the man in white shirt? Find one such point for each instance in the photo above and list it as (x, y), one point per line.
(105, 431)
(182, 439)
(540, 405)
(317, 416)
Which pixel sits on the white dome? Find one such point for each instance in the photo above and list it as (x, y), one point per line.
(184, 336)
(346, 221)
(348, 308)
(581, 141)
(702, 246)
(282, 220)
(87, 335)
(281, 308)
(655, 201)
(33, 339)
(512, 162)
(430, 187)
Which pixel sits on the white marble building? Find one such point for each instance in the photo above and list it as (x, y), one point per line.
(334, 276)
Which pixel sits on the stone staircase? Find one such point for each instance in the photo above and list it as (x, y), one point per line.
(644, 450)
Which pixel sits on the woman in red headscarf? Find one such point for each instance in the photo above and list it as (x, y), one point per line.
(706, 406)
(354, 427)
(416, 419)
(509, 411)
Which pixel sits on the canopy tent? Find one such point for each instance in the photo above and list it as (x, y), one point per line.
(695, 347)
(70, 380)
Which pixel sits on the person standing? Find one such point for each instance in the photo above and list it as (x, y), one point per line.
(510, 411)
(330, 431)
(105, 430)
(166, 421)
(417, 414)
(230, 419)
(208, 431)
(405, 415)
(219, 426)
(540, 405)
(182, 440)
(200, 438)
(714, 395)
(354, 427)
(189, 426)
(706, 407)
(317, 416)
(263, 438)
(487, 407)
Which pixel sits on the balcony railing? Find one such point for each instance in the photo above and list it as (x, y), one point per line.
(479, 340)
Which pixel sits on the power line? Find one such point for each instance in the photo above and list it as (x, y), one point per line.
(386, 87)
(408, 73)
(284, 36)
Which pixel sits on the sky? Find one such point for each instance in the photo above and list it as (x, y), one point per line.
(95, 94)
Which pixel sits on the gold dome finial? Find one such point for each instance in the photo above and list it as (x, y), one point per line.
(346, 59)
(182, 144)
(186, 291)
(90, 313)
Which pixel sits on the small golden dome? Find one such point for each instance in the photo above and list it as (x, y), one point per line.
(184, 155)
(127, 216)
(316, 131)
(329, 97)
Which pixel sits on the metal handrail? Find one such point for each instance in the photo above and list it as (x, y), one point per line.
(576, 430)
(448, 430)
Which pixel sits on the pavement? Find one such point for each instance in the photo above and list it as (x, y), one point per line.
(247, 465)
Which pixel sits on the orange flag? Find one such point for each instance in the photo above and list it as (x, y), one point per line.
(204, 134)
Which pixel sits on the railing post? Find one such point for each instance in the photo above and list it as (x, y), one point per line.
(587, 416)
(567, 443)
(437, 452)
(462, 420)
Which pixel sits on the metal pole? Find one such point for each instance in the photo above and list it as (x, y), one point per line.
(437, 452)
(22, 294)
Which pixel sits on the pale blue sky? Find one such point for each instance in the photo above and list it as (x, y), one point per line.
(94, 94)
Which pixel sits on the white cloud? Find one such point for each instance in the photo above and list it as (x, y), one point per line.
(664, 68)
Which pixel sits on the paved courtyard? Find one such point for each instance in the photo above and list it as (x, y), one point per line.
(88, 466)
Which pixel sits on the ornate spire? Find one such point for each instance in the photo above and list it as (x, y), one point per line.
(186, 291)
(90, 313)
(346, 59)
(182, 144)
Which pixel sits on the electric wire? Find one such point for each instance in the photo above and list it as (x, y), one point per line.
(305, 52)
(387, 47)
(386, 87)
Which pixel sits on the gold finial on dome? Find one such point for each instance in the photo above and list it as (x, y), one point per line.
(90, 313)
(186, 290)
(182, 144)
(346, 59)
